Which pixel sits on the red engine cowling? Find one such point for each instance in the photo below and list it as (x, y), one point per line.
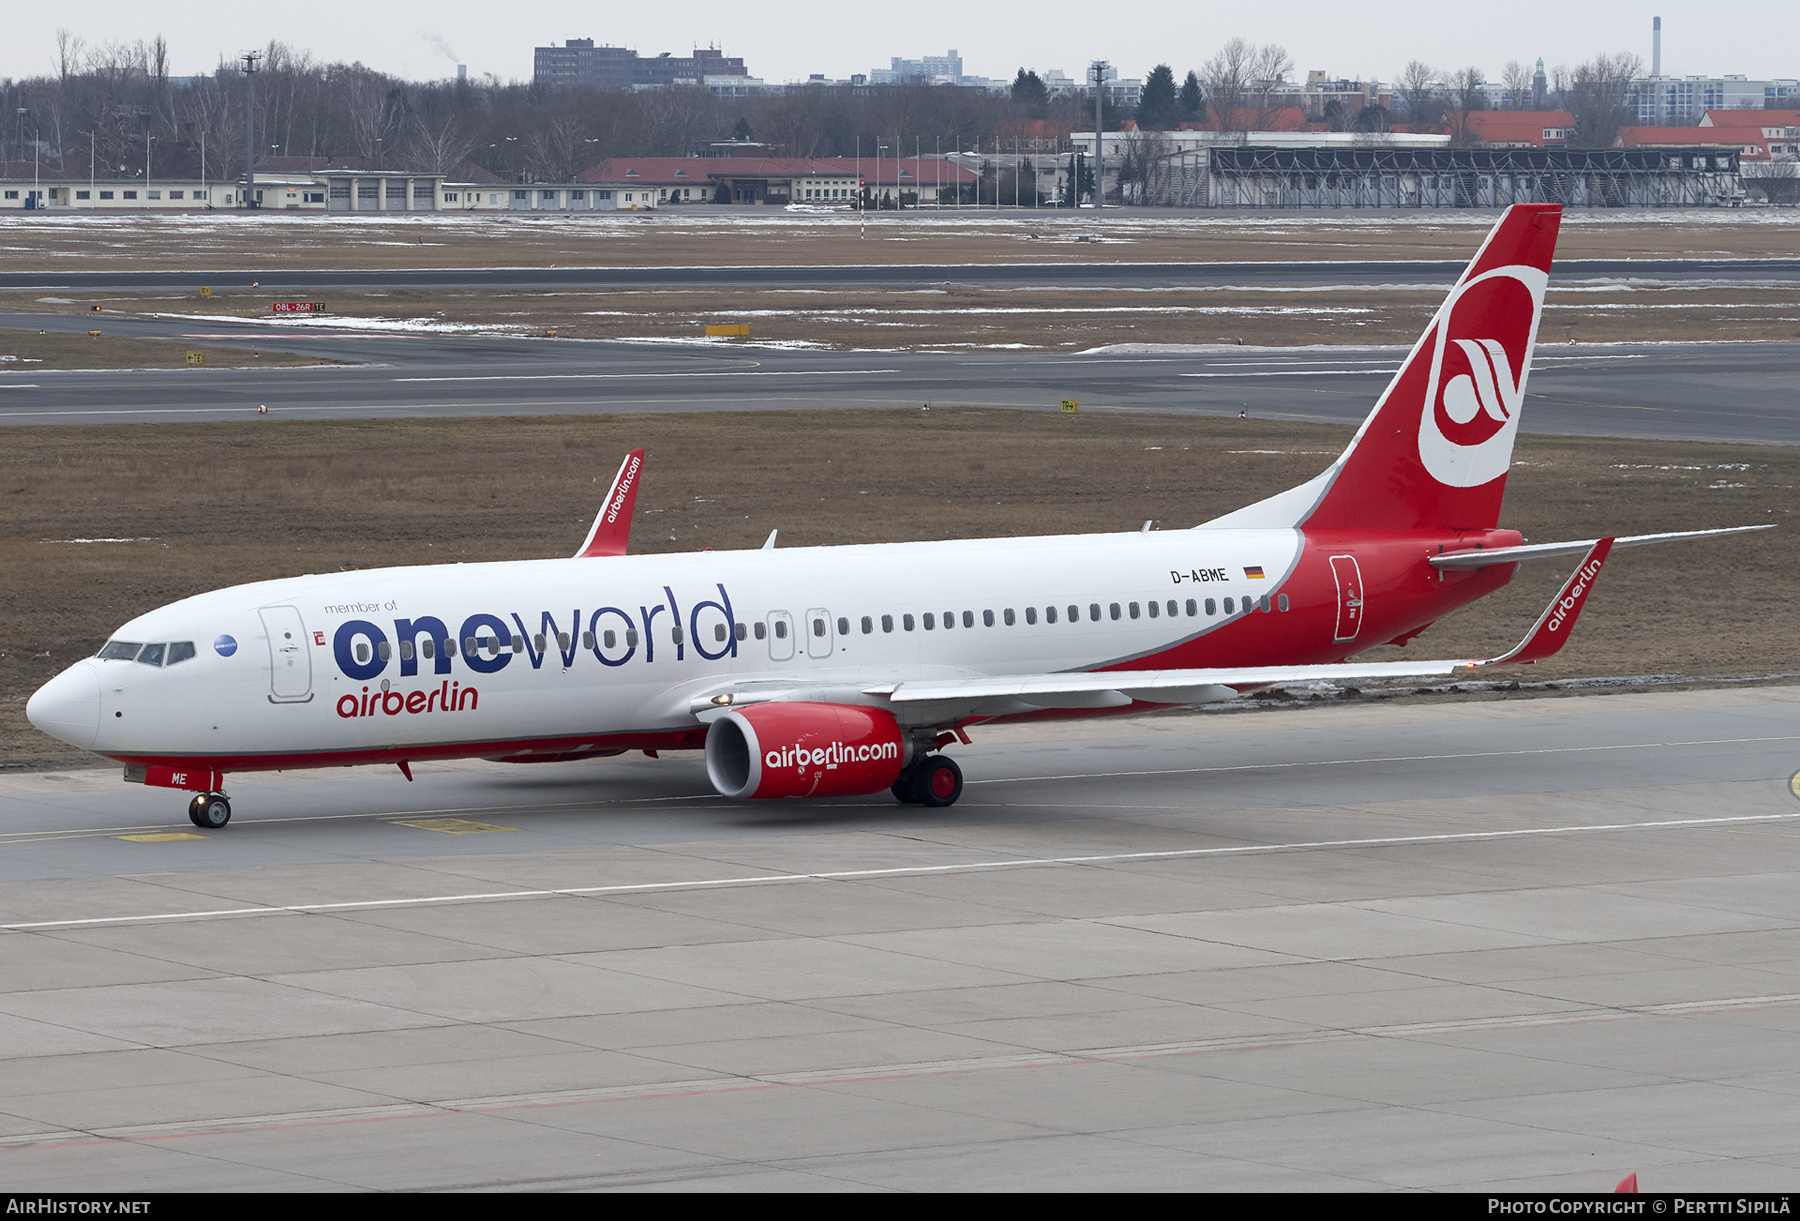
(804, 750)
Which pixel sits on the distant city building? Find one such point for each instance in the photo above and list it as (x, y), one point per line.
(579, 63)
(945, 69)
(1679, 101)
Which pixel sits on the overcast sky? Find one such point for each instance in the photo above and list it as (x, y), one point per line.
(786, 40)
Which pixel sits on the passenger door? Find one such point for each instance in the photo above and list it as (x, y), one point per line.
(1350, 596)
(290, 663)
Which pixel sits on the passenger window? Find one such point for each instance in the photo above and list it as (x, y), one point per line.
(1262, 604)
(537, 643)
(1010, 620)
(868, 625)
(1229, 608)
(1281, 602)
(449, 648)
(181, 650)
(518, 645)
(761, 629)
(1154, 609)
(780, 630)
(562, 641)
(1093, 611)
(844, 626)
(906, 621)
(587, 640)
(609, 638)
(362, 653)
(1050, 614)
(1030, 615)
(1133, 608)
(120, 650)
(930, 622)
(719, 632)
(949, 620)
(1212, 608)
(740, 631)
(1192, 608)
(429, 647)
(1172, 608)
(968, 618)
(631, 637)
(384, 650)
(1113, 610)
(152, 654)
(675, 634)
(818, 627)
(468, 645)
(406, 650)
(887, 623)
(987, 619)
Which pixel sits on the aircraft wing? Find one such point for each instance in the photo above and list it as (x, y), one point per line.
(1117, 688)
(611, 530)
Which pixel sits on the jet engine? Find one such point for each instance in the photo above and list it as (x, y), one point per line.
(804, 750)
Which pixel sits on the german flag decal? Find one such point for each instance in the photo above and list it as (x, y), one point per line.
(1254, 572)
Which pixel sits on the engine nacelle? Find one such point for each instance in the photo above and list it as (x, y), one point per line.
(804, 750)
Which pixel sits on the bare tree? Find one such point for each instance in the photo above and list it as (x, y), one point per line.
(440, 148)
(69, 56)
(1142, 155)
(1515, 78)
(1419, 90)
(1466, 97)
(1268, 87)
(1596, 96)
(1225, 83)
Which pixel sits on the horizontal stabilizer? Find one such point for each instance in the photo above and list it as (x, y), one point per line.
(612, 526)
(1544, 551)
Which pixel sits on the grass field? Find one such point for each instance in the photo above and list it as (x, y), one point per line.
(27, 352)
(204, 506)
(709, 235)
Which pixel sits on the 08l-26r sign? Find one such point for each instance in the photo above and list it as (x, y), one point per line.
(298, 307)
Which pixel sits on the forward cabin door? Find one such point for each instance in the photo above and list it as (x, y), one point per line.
(290, 663)
(1349, 596)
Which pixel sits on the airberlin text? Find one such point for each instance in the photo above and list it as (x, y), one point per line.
(1569, 601)
(830, 756)
(449, 697)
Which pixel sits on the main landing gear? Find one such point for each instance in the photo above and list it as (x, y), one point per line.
(933, 781)
(210, 811)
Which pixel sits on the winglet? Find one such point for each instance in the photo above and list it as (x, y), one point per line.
(612, 527)
(1558, 620)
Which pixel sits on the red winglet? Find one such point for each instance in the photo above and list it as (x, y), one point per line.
(612, 527)
(1558, 620)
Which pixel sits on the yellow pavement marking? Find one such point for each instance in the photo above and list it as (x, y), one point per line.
(451, 826)
(160, 837)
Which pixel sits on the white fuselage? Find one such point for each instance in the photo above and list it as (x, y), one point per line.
(335, 665)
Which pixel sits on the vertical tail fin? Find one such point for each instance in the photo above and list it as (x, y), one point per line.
(1435, 451)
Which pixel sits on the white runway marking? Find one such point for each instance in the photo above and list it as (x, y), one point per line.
(843, 875)
(587, 377)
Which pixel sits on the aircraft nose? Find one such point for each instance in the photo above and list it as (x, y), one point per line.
(68, 706)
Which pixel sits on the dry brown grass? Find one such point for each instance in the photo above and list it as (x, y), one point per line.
(218, 504)
(954, 314)
(42, 351)
(759, 236)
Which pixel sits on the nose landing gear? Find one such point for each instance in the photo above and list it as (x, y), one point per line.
(209, 811)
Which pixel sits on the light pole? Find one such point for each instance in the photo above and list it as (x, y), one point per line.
(250, 59)
(147, 138)
(878, 147)
(1099, 148)
(19, 133)
(91, 169)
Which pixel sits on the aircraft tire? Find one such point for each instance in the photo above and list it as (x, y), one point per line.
(939, 781)
(210, 811)
(906, 787)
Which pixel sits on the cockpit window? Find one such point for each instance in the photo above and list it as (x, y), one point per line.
(152, 654)
(120, 650)
(179, 650)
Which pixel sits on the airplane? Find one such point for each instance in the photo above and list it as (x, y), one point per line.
(834, 671)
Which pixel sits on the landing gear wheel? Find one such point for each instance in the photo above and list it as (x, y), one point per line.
(209, 811)
(906, 787)
(938, 781)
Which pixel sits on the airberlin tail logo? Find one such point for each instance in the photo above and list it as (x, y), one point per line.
(627, 477)
(1480, 350)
